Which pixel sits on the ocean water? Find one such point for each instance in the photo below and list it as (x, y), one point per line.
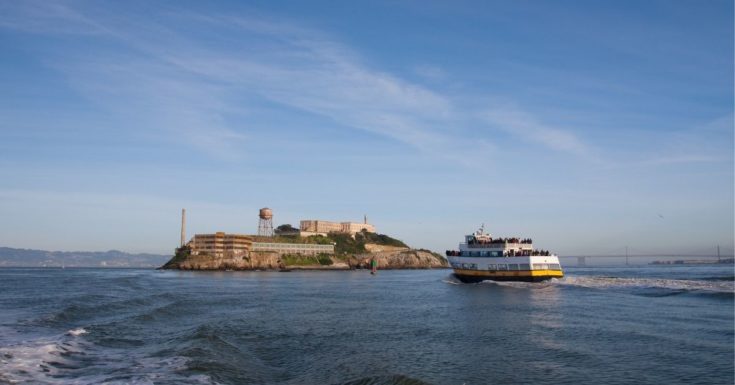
(643, 325)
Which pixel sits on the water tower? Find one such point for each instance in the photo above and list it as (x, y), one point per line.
(265, 226)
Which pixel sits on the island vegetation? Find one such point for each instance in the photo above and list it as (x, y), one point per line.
(344, 244)
(350, 252)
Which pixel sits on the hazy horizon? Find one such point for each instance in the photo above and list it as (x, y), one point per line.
(587, 126)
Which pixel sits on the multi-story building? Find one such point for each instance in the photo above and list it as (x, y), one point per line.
(314, 227)
(236, 245)
(293, 248)
(221, 245)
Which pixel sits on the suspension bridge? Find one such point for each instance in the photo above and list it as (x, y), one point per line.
(626, 253)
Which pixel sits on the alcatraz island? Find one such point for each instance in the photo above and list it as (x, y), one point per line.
(315, 245)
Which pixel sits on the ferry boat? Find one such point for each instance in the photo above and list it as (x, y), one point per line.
(482, 257)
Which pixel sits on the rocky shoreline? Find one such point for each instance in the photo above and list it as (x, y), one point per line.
(388, 259)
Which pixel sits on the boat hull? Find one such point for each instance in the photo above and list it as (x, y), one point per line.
(474, 276)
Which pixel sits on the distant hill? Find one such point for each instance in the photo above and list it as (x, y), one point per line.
(10, 257)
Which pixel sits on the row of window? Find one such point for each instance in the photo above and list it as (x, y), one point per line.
(261, 246)
(483, 253)
(509, 266)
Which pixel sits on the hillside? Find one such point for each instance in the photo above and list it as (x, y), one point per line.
(344, 244)
(11, 257)
(350, 253)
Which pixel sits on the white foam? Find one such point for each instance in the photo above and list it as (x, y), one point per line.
(614, 282)
(51, 360)
(658, 283)
(77, 332)
(28, 362)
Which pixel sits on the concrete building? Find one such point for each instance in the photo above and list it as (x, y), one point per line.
(293, 248)
(238, 245)
(221, 245)
(317, 227)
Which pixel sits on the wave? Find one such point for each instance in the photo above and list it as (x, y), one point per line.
(83, 309)
(719, 287)
(77, 332)
(719, 278)
(681, 285)
(397, 379)
(69, 358)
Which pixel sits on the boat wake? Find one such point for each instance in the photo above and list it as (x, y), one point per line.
(648, 283)
(645, 286)
(70, 359)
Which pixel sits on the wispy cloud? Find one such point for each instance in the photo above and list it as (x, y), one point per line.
(524, 125)
(188, 83)
(173, 81)
(705, 143)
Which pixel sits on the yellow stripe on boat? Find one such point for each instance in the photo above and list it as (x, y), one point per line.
(511, 273)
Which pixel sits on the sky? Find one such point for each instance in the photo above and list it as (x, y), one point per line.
(588, 126)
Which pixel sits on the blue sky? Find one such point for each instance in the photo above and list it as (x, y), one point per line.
(586, 125)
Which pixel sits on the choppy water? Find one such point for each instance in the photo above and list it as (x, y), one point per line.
(653, 325)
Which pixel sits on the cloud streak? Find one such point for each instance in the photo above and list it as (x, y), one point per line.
(525, 126)
(186, 85)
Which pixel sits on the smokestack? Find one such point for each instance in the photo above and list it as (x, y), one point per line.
(365, 218)
(183, 226)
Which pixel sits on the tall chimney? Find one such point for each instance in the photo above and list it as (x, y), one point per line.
(365, 218)
(183, 226)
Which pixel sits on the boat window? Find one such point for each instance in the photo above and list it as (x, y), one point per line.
(473, 266)
(540, 266)
(513, 266)
(502, 266)
(554, 266)
(492, 266)
(524, 266)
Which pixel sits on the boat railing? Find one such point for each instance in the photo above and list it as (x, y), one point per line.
(497, 245)
(506, 254)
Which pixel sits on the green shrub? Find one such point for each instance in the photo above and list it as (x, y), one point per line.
(180, 255)
(324, 260)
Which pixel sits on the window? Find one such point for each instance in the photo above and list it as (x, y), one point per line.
(524, 266)
(513, 266)
(492, 266)
(502, 266)
(540, 266)
(554, 266)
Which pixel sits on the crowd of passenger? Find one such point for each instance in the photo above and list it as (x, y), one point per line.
(527, 253)
(476, 241)
(509, 253)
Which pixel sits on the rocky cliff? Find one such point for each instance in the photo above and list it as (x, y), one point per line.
(389, 259)
(401, 259)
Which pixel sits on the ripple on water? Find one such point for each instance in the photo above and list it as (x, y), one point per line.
(71, 359)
